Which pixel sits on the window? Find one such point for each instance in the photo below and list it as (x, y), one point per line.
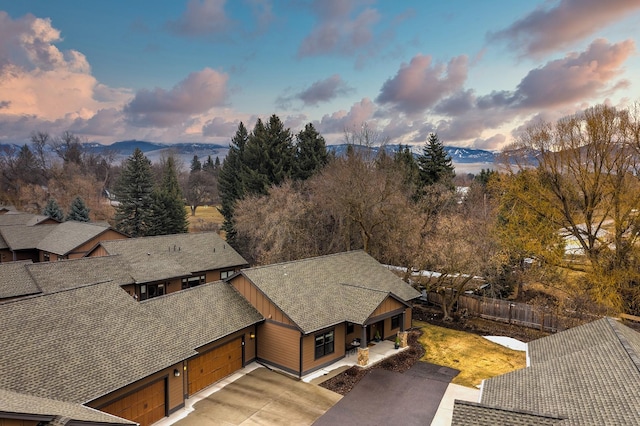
(225, 274)
(193, 281)
(324, 344)
(395, 321)
(46, 257)
(151, 290)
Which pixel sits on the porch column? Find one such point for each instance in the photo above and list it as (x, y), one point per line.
(363, 338)
(402, 321)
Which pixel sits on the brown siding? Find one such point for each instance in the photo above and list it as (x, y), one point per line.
(98, 251)
(259, 300)
(279, 345)
(6, 256)
(84, 248)
(308, 349)
(175, 389)
(388, 305)
(14, 422)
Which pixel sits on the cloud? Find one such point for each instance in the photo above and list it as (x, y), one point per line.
(546, 30)
(492, 143)
(336, 31)
(420, 84)
(320, 91)
(262, 12)
(194, 95)
(342, 120)
(201, 18)
(220, 127)
(575, 77)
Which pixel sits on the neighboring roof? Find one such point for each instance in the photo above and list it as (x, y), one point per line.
(12, 402)
(203, 314)
(68, 235)
(55, 276)
(80, 344)
(15, 280)
(322, 291)
(588, 375)
(193, 252)
(24, 237)
(20, 218)
(468, 413)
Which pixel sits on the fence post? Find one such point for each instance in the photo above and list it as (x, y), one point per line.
(510, 308)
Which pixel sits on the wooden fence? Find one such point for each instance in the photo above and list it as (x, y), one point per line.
(505, 311)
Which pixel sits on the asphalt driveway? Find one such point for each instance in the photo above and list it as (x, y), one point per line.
(262, 397)
(388, 398)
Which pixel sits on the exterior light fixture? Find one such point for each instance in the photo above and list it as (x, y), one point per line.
(176, 372)
(252, 335)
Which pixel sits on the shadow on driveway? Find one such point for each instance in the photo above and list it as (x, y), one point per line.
(389, 398)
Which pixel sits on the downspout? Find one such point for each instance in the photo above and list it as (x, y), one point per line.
(301, 339)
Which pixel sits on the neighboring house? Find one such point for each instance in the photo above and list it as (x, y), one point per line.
(314, 308)
(169, 263)
(587, 375)
(24, 236)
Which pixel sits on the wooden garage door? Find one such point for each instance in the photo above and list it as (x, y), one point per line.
(212, 366)
(144, 406)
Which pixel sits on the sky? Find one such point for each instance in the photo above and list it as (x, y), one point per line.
(474, 72)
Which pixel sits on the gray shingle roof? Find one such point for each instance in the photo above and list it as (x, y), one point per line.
(68, 235)
(206, 313)
(467, 413)
(56, 276)
(322, 291)
(21, 218)
(194, 252)
(12, 402)
(23, 237)
(15, 280)
(77, 345)
(589, 374)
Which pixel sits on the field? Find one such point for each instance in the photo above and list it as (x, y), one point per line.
(476, 357)
(207, 218)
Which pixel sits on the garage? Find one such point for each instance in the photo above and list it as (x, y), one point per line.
(214, 365)
(144, 406)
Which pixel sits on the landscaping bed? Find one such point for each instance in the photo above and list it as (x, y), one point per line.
(345, 381)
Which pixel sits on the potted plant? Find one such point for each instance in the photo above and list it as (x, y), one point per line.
(377, 336)
(397, 344)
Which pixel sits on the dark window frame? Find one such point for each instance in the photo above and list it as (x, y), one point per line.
(395, 321)
(325, 343)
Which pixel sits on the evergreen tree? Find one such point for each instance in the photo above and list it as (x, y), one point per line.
(78, 211)
(196, 166)
(53, 210)
(208, 165)
(230, 183)
(408, 166)
(134, 193)
(435, 164)
(310, 154)
(268, 156)
(168, 213)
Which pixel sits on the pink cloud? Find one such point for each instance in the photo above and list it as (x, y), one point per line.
(545, 30)
(342, 120)
(420, 84)
(196, 94)
(201, 18)
(220, 127)
(337, 31)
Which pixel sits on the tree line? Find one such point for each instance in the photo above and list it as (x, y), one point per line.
(560, 211)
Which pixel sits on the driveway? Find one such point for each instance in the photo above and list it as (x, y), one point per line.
(262, 397)
(388, 398)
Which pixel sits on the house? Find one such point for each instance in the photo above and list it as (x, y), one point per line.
(167, 263)
(587, 375)
(24, 236)
(82, 346)
(315, 308)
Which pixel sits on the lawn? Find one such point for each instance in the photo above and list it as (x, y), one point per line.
(207, 218)
(476, 357)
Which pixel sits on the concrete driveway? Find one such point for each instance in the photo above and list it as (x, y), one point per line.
(262, 397)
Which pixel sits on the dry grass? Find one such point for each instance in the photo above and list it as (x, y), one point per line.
(207, 218)
(476, 357)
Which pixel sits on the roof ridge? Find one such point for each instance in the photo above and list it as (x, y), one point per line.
(42, 294)
(365, 288)
(626, 344)
(511, 410)
(290, 262)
